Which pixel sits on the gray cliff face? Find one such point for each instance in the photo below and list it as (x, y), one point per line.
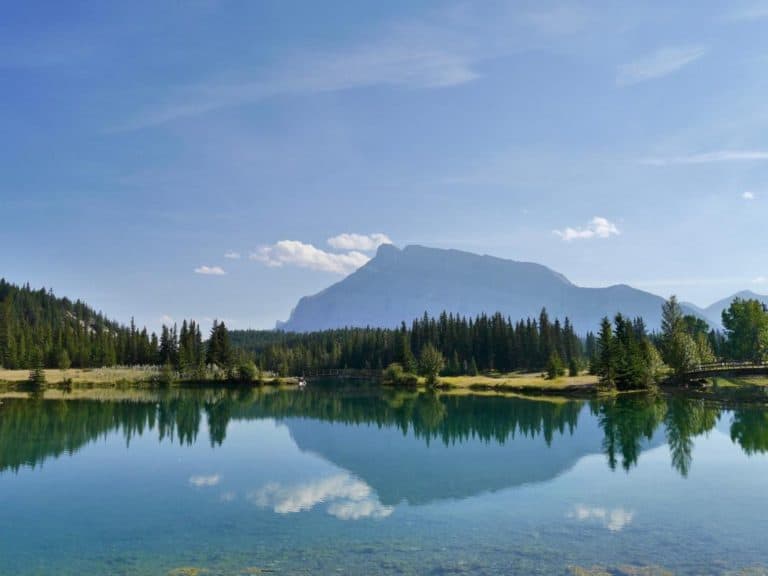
(400, 285)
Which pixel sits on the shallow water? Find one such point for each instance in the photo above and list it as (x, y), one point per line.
(362, 482)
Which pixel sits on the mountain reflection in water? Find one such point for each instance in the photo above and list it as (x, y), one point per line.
(405, 444)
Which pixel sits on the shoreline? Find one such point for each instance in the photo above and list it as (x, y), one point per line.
(15, 383)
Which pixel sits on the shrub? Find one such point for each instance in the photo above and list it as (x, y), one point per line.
(247, 372)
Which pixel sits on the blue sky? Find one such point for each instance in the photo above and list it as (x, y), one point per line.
(145, 142)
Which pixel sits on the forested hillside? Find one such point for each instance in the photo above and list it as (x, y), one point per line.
(37, 328)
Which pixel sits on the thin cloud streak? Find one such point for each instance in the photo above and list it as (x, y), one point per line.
(210, 270)
(708, 157)
(757, 11)
(205, 481)
(658, 64)
(442, 51)
(391, 62)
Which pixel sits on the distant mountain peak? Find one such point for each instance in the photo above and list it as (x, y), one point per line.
(398, 285)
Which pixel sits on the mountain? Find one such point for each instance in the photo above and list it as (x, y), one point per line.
(714, 312)
(399, 285)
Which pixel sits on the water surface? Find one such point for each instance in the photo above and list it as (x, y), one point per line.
(361, 482)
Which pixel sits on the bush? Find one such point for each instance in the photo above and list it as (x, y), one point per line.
(247, 372)
(395, 375)
(555, 367)
(431, 362)
(167, 376)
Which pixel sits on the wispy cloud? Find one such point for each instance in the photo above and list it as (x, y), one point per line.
(166, 319)
(444, 49)
(297, 253)
(205, 481)
(348, 498)
(232, 255)
(748, 195)
(362, 242)
(598, 227)
(615, 519)
(760, 280)
(210, 270)
(708, 157)
(658, 64)
(756, 11)
(400, 59)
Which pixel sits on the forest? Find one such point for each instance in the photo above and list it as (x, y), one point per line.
(37, 329)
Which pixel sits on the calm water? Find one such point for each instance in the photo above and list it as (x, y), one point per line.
(315, 482)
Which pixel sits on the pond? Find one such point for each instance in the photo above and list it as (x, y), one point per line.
(363, 481)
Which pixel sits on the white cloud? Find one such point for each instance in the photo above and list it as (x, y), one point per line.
(354, 510)
(614, 519)
(708, 157)
(748, 195)
(296, 253)
(362, 242)
(166, 319)
(210, 270)
(598, 227)
(205, 481)
(658, 64)
(349, 498)
(232, 255)
(760, 280)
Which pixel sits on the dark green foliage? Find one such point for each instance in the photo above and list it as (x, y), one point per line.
(63, 361)
(485, 343)
(247, 372)
(37, 373)
(36, 327)
(555, 367)
(219, 352)
(431, 363)
(626, 358)
(167, 376)
(395, 375)
(746, 325)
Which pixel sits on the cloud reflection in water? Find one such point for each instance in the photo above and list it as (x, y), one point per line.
(614, 519)
(348, 498)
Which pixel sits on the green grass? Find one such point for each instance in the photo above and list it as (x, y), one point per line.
(520, 381)
(105, 377)
(84, 375)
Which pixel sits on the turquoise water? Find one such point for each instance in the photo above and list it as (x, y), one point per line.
(364, 482)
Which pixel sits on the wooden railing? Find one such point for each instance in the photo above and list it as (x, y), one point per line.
(714, 368)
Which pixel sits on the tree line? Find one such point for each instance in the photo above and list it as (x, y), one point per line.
(466, 345)
(39, 330)
(625, 356)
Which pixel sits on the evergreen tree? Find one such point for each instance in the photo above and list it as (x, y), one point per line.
(606, 363)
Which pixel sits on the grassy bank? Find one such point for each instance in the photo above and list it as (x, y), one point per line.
(521, 382)
(136, 377)
(98, 376)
